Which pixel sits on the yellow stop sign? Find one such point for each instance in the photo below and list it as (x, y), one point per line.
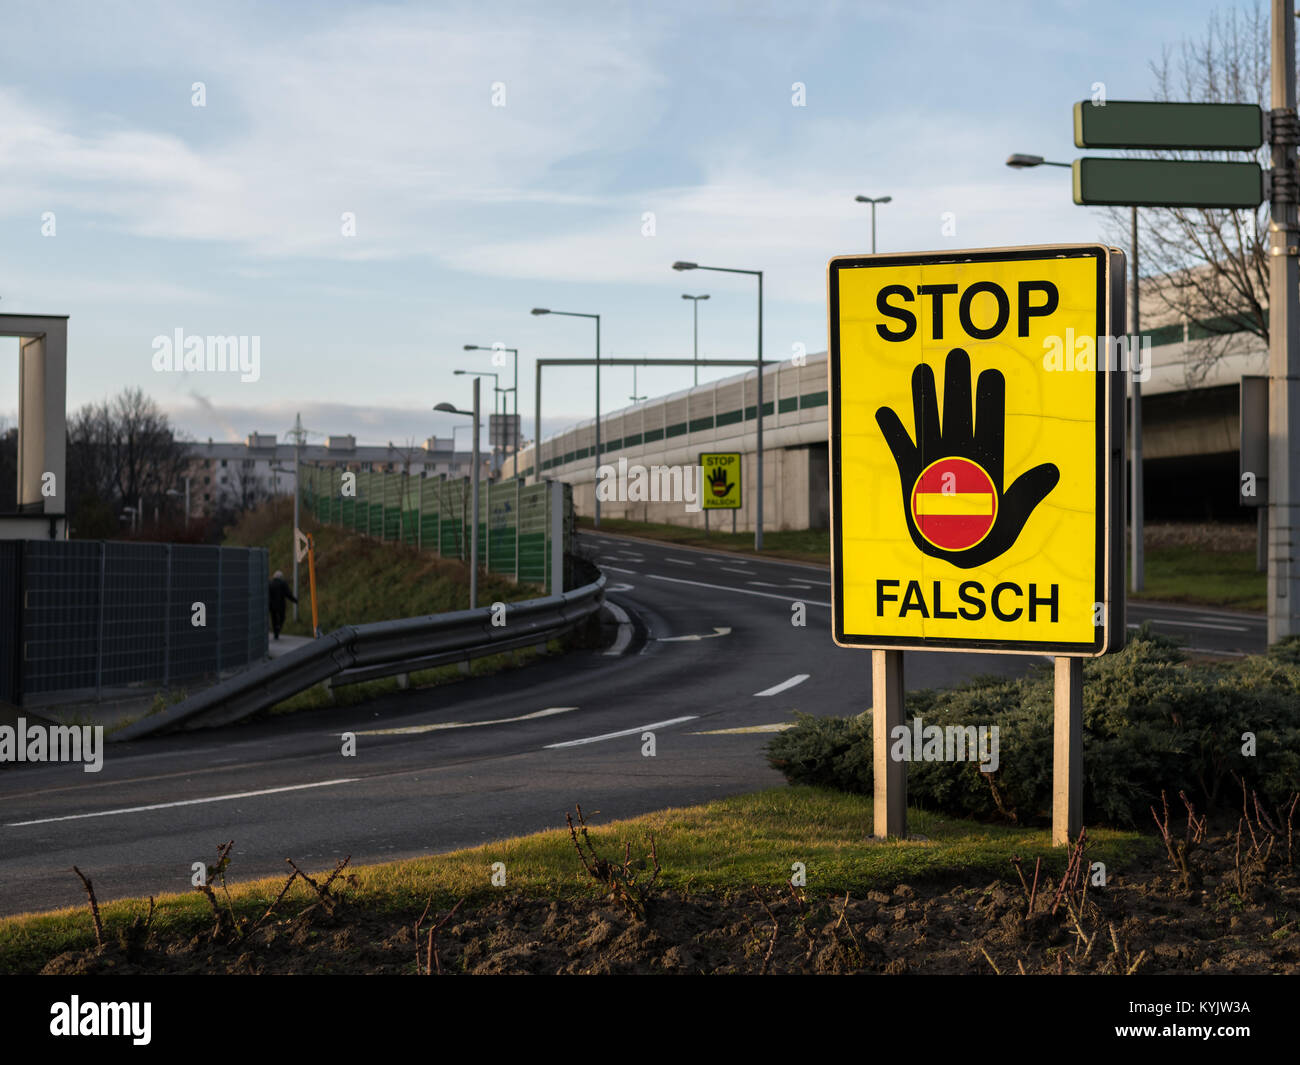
(976, 429)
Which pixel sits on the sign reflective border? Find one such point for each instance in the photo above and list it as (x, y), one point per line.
(977, 450)
(720, 480)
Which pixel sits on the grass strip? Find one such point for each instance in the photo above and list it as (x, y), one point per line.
(722, 847)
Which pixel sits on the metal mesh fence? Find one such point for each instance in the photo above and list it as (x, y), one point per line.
(435, 513)
(89, 616)
(10, 603)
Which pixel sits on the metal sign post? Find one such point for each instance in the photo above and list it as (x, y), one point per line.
(311, 577)
(1067, 752)
(556, 516)
(889, 775)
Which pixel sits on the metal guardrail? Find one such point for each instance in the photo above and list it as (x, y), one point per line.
(357, 653)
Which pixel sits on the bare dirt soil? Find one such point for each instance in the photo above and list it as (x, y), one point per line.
(1235, 910)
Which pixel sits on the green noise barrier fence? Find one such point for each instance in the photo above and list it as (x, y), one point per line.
(435, 514)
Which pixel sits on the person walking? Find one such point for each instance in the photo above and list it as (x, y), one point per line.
(277, 592)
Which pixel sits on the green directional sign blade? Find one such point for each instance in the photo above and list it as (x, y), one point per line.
(1143, 124)
(1166, 183)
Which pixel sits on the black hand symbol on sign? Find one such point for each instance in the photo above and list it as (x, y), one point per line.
(983, 444)
(718, 482)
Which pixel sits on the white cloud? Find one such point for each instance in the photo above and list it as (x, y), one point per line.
(386, 113)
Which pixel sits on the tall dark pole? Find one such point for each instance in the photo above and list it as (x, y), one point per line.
(297, 493)
(537, 422)
(758, 523)
(695, 318)
(873, 200)
(596, 482)
(473, 541)
(695, 335)
(1283, 337)
(1135, 482)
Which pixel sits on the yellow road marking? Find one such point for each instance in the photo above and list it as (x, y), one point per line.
(779, 726)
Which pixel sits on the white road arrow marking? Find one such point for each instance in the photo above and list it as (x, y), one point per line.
(777, 689)
(624, 636)
(718, 630)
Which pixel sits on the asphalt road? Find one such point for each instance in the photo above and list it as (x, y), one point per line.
(708, 660)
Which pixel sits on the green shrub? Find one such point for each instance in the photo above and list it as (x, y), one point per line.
(1151, 721)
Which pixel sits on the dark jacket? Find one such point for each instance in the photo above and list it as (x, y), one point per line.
(277, 593)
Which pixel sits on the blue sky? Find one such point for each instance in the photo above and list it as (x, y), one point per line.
(226, 219)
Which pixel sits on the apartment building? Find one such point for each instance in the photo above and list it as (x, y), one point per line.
(262, 467)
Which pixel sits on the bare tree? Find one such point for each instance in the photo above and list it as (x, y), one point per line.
(246, 491)
(1208, 267)
(120, 452)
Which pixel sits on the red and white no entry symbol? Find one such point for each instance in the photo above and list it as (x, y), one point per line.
(954, 503)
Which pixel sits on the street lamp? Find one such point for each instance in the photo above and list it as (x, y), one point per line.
(758, 522)
(514, 390)
(695, 305)
(1020, 161)
(498, 404)
(448, 408)
(873, 202)
(537, 451)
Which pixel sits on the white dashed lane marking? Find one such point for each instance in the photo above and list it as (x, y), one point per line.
(738, 591)
(624, 732)
(185, 802)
